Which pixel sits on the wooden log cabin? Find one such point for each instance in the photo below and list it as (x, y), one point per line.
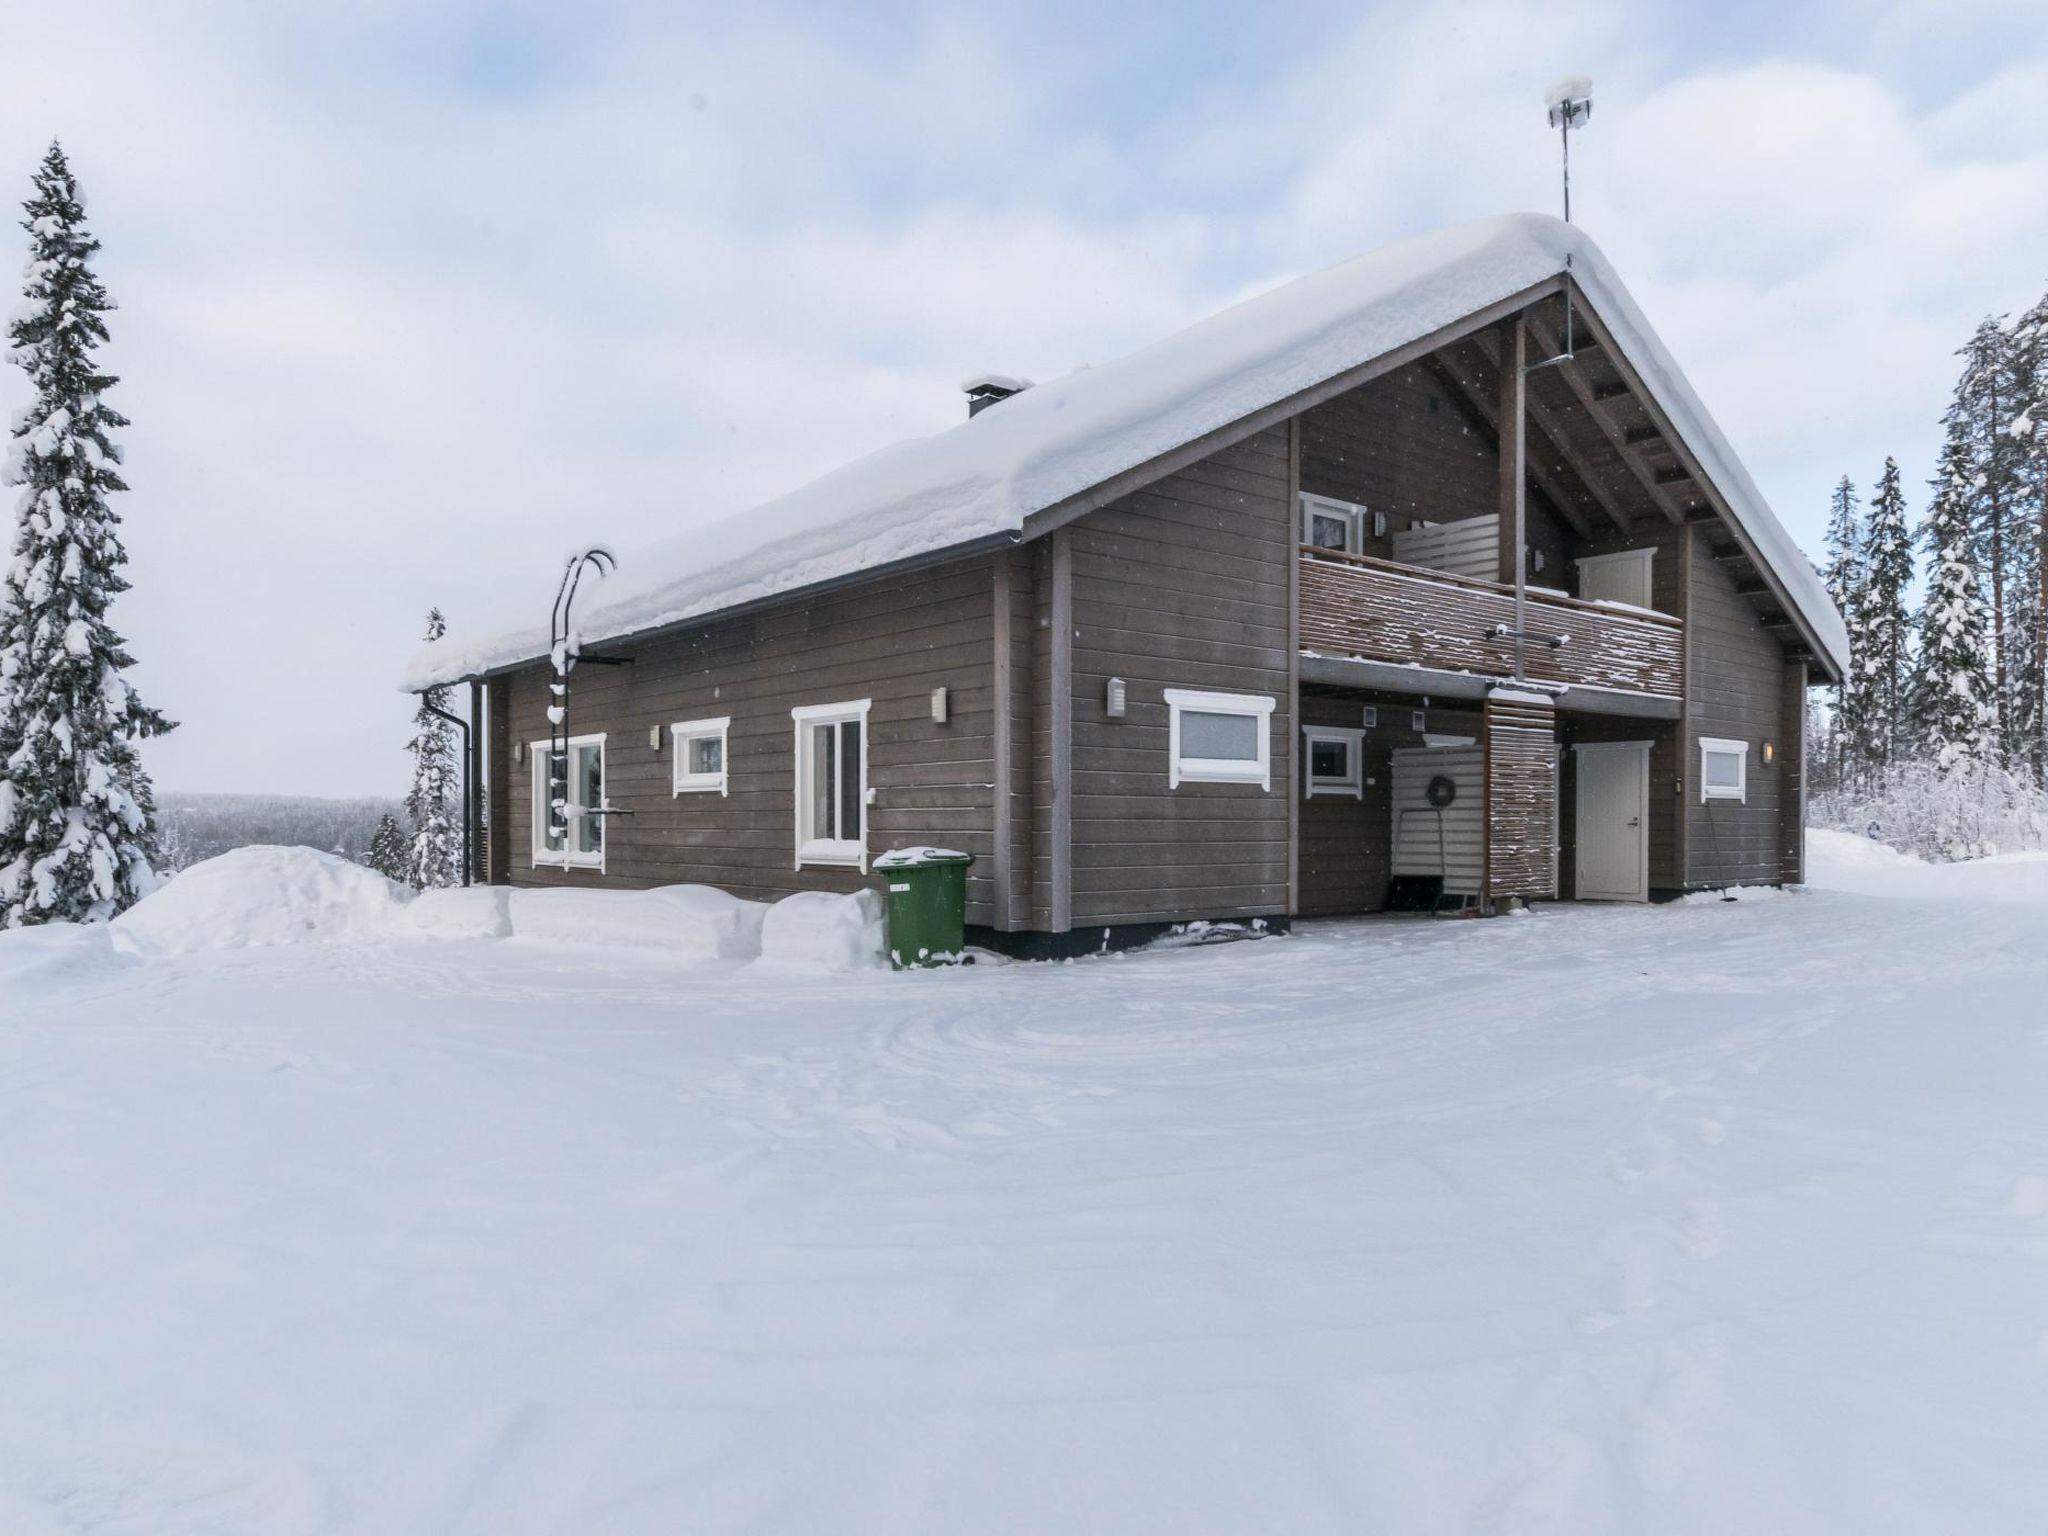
(1427, 570)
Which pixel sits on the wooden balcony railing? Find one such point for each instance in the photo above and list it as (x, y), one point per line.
(1354, 605)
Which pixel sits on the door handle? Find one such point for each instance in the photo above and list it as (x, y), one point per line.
(1635, 821)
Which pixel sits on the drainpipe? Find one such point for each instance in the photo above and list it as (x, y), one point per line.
(468, 789)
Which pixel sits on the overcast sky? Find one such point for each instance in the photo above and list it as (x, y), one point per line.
(413, 295)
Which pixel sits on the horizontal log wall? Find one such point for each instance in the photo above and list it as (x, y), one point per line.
(1181, 585)
(1353, 606)
(1738, 681)
(892, 640)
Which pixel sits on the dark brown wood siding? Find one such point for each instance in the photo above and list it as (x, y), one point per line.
(1182, 585)
(1737, 680)
(892, 641)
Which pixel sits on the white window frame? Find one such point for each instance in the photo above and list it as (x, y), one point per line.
(1215, 770)
(681, 780)
(1355, 520)
(1353, 742)
(834, 852)
(567, 857)
(1645, 558)
(1725, 746)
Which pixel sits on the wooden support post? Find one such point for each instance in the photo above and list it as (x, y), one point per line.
(497, 782)
(1792, 776)
(1003, 828)
(473, 807)
(1514, 472)
(1291, 774)
(1062, 700)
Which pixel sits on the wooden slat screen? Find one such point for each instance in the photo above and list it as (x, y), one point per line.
(1520, 740)
(1354, 605)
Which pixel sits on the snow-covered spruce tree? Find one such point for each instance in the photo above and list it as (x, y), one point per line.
(390, 849)
(1979, 421)
(75, 803)
(1952, 684)
(1882, 646)
(1843, 577)
(2028, 430)
(435, 856)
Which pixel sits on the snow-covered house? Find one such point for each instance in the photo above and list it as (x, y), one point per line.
(1239, 626)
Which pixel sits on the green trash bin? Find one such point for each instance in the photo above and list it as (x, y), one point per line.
(927, 895)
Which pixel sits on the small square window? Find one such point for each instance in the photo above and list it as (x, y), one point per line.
(1724, 769)
(699, 767)
(1219, 738)
(1328, 523)
(1332, 761)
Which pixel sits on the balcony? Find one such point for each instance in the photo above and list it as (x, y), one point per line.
(1355, 607)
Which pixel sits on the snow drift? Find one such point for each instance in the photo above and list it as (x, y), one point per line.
(259, 895)
(61, 953)
(695, 921)
(815, 930)
(269, 895)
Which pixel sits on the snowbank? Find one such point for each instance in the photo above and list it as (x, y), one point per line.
(815, 930)
(694, 921)
(467, 912)
(1844, 861)
(979, 480)
(260, 895)
(55, 952)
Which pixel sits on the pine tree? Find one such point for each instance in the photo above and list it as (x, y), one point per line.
(75, 803)
(1979, 422)
(390, 850)
(435, 857)
(1952, 686)
(1843, 577)
(1883, 650)
(2028, 431)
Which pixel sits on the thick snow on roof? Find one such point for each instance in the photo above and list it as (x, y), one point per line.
(982, 478)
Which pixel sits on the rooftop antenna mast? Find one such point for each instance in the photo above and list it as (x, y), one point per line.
(1570, 105)
(1570, 102)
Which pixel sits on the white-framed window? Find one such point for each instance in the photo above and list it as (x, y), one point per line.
(699, 746)
(1331, 761)
(832, 783)
(1329, 523)
(1724, 769)
(1219, 738)
(578, 843)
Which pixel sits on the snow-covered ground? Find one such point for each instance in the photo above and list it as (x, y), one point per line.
(1711, 1217)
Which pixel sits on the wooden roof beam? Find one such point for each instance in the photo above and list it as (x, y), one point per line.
(1543, 447)
(1595, 405)
(1471, 404)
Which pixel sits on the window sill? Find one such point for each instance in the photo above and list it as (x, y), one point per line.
(837, 855)
(1335, 791)
(567, 861)
(1198, 772)
(710, 784)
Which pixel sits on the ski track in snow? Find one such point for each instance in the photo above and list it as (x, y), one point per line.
(1711, 1217)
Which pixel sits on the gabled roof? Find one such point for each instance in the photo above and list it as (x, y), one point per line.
(986, 478)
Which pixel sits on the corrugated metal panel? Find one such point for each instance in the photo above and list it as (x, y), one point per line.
(1463, 849)
(1468, 547)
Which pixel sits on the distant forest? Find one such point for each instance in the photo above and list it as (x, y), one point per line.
(195, 827)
